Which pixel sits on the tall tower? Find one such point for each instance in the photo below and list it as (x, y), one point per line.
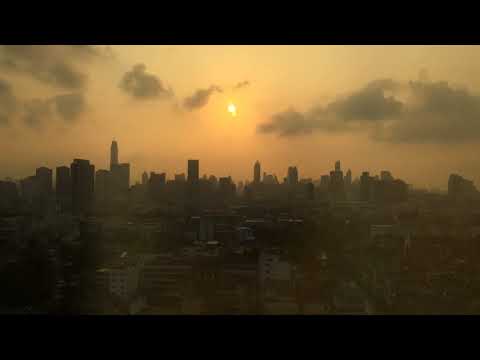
(144, 178)
(82, 175)
(113, 154)
(256, 172)
(337, 165)
(193, 171)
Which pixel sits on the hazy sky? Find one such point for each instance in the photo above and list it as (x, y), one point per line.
(414, 110)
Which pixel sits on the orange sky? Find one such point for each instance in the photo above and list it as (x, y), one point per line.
(158, 133)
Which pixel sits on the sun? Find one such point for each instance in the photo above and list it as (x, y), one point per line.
(232, 109)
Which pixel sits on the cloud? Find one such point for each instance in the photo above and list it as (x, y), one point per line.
(70, 106)
(8, 102)
(417, 112)
(36, 111)
(67, 107)
(61, 66)
(142, 85)
(242, 84)
(200, 98)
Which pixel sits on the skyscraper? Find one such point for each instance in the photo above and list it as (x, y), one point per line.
(113, 154)
(256, 172)
(337, 165)
(348, 178)
(103, 185)
(193, 171)
(63, 187)
(292, 176)
(144, 178)
(45, 180)
(83, 178)
(386, 175)
(366, 185)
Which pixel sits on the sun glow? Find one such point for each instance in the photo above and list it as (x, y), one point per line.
(232, 109)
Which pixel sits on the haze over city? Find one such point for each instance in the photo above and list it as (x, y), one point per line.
(409, 109)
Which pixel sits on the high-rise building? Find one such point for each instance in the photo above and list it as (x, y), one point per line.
(256, 172)
(459, 187)
(348, 178)
(336, 187)
(366, 184)
(193, 171)
(63, 188)
(144, 178)
(292, 176)
(83, 178)
(8, 195)
(180, 178)
(113, 154)
(337, 165)
(386, 176)
(29, 189)
(324, 182)
(45, 180)
(103, 186)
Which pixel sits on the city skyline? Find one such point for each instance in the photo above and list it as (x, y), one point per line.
(116, 168)
(231, 105)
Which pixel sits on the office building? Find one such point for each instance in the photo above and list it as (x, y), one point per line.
(103, 186)
(292, 176)
(256, 172)
(83, 178)
(113, 154)
(63, 188)
(144, 178)
(45, 180)
(193, 171)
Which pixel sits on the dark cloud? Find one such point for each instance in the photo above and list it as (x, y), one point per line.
(200, 98)
(70, 106)
(436, 113)
(67, 107)
(8, 102)
(369, 103)
(142, 85)
(61, 66)
(242, 84)
(433, 112)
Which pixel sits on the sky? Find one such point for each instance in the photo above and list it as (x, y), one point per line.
(413, 110)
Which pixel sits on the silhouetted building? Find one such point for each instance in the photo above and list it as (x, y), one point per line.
(113, 154)
(144, 178)
(45, 181)
(389, 191)
(29, 188)
(310, 191)
(365, 186)
(336, 187)
(8, 195)
(226, 187)
(292, 176)
(348, 179)
(63, 188)
(256, 172)
(83, 178)
(121, 177)
(386, 176)
(193, 171)
(103, 186)
(324, 182)
(337, 166)
(180, 178)
(460, 188)
(156, 185)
